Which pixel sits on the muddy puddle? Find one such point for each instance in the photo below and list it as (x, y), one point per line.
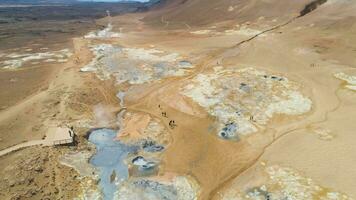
(109, 160)
(127, 166)
(117, 161)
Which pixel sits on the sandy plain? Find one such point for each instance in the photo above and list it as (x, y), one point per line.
(308, 50)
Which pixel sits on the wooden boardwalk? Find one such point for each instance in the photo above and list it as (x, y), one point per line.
(21, 146)
(55, 136)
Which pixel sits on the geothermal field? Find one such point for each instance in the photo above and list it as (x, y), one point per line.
(178, 100)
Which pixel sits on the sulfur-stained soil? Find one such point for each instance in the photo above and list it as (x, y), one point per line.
(251, 100)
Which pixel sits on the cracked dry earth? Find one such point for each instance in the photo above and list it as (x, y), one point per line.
(257, 108)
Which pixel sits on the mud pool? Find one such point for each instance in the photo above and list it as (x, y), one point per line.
(111, 154)
(109, 160)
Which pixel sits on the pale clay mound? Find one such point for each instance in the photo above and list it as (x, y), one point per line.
(323, 134)
(179, 188)
(99, 52)
(349, 79)
(244, 100)
(284, 183)
(134, 65)
(16, 60)
(102, 34)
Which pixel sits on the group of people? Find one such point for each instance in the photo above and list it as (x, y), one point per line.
(172, 124)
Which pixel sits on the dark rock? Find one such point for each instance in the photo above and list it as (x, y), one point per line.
(151, 146)
(229, 131)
